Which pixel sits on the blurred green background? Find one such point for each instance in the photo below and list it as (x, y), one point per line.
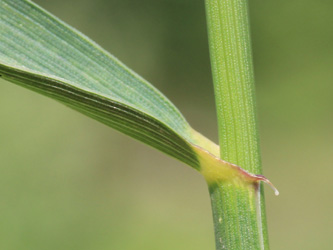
(68, 182)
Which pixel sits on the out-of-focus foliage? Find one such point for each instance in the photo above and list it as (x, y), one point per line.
(80, 196)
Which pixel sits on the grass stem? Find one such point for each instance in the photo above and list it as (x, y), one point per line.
(239, 214)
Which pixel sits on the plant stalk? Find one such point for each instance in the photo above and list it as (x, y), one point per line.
(238, 213)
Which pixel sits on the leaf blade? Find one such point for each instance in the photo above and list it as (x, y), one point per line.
(76, 58)
(70, 68)
(36, 45)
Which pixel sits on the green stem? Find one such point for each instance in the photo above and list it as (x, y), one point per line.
(239, 214)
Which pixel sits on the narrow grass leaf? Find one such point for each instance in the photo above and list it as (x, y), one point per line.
(41, 53)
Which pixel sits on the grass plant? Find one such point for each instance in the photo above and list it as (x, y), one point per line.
(40, 52)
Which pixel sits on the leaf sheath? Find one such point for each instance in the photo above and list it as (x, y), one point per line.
(239, 224)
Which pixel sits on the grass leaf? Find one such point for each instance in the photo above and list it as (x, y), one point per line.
(41, 53)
